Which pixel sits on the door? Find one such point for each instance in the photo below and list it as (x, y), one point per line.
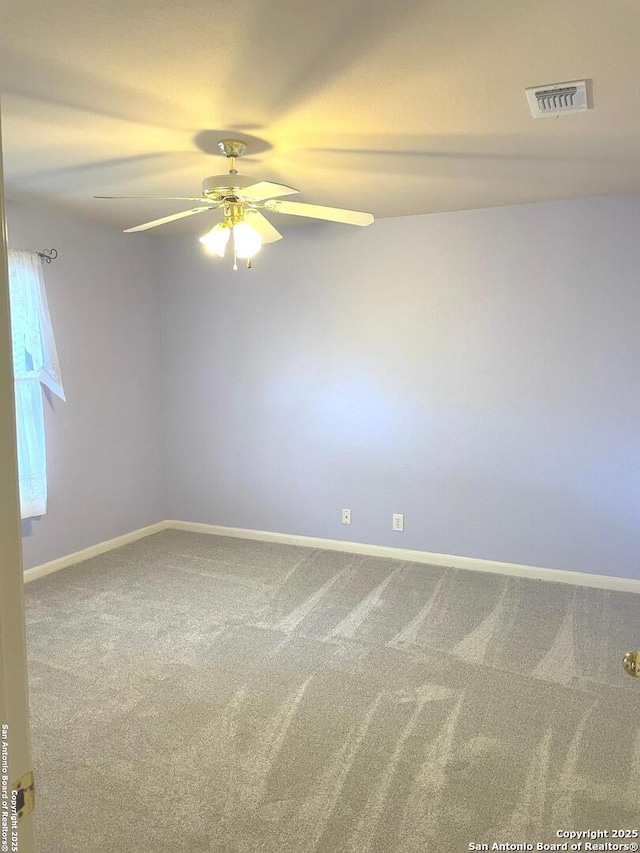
(15, 751)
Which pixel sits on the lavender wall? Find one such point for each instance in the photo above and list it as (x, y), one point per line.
(477, 371)
(105, 444)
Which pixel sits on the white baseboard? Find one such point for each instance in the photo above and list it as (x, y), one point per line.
(93, 551)
(446, 560)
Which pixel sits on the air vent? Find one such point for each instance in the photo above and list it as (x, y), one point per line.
(558, 99)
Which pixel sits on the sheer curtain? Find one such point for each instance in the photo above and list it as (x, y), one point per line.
(35, 361)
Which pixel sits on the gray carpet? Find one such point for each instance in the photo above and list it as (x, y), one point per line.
(198, 693)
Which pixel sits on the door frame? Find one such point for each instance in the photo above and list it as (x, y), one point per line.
(14, 710)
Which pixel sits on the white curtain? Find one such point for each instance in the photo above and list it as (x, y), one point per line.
(35, 361)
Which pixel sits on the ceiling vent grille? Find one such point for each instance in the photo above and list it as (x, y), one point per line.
(558, 99)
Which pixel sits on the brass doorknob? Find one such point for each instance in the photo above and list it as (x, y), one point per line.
(631, 664)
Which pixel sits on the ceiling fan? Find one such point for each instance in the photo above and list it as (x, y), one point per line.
(241, 199)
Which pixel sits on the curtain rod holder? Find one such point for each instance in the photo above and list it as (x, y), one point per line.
(49, 256)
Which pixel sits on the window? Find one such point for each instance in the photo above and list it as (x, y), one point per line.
(35, 361)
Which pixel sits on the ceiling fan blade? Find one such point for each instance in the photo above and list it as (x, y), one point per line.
(262, 225)
(165, 219)
(317, 211)
(265, 189)
(158, 197)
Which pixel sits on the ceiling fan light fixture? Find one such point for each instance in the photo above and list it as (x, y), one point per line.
(246, 239)
(215, 241)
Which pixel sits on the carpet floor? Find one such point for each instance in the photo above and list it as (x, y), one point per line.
(198, 693)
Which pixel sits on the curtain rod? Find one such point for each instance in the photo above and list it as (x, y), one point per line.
(49, 256)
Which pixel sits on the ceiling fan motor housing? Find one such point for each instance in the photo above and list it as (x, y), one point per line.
(222, 186)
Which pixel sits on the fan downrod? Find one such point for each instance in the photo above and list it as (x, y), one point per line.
(232, 149)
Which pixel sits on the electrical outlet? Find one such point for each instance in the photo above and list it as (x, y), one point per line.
(346, 516)
(398, 522)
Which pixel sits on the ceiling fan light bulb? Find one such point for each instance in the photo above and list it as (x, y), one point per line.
(246, 239)
(215, 241)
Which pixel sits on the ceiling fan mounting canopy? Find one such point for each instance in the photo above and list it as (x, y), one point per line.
(232, 147)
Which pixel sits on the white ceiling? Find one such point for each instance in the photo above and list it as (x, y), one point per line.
(403, 107)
